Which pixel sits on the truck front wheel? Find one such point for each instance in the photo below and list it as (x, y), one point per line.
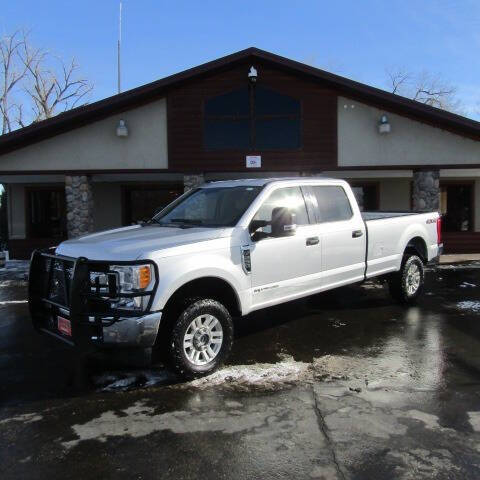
(201, 338)
(407, 284)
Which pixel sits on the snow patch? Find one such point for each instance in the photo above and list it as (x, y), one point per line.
(474, 419)
(469, 305)
(140, 420)
(112, 381)
(12, 302)
(25, 418)
(265, 375)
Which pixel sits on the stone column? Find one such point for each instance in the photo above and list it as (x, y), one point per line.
(426, 190)
(191, 181)
(78, 192)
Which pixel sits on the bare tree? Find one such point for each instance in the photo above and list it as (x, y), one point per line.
(423, 87)
(35, 84)
(12, 73)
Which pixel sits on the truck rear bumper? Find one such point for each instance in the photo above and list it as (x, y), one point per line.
(435, 252)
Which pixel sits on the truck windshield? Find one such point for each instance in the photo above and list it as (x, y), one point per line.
(209, 207)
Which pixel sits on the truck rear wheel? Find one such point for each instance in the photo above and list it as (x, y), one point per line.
(201, 338)
(407, 284)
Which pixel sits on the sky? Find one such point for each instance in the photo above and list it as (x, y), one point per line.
(357, 39)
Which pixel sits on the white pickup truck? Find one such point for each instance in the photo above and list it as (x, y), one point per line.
(220, 251)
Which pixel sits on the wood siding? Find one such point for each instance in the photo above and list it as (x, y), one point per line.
(186, 150)
(461, 242)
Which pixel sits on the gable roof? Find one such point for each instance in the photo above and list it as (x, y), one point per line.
(84, 115)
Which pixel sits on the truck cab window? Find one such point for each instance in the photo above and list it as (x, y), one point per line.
(290, 197)
(332, 204)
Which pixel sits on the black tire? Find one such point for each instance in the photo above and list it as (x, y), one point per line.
(177, 358)
(400, 283)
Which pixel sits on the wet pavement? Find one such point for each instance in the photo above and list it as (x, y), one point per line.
(346, 385)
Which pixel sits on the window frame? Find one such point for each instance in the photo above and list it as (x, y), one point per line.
(316, 210)
(252, 118)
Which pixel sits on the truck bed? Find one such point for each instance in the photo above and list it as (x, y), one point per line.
(379, 215)
(387, 234)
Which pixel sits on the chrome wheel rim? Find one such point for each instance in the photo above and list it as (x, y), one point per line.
(413, 279)
(203, 339)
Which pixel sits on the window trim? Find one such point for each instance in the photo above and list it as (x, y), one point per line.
(252, 117)
(317, 211)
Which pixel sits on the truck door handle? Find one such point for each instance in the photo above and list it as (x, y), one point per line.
(312, 241)
(357, 233)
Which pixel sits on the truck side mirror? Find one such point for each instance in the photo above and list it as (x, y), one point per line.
(283, 222)
(256, 224)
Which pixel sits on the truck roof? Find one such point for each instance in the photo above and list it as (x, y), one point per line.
(260, 182)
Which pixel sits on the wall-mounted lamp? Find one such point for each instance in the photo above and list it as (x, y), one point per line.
(122, 130)
(384, 125)
(252, 74)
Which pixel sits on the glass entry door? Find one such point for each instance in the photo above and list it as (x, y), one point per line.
(456, 206)
(46, 213)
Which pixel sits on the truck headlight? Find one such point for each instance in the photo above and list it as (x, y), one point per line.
(131, 279)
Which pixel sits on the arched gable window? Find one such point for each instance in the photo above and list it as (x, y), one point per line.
(254, 118)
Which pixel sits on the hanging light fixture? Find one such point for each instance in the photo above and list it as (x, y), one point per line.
(384, 125)
(252, 74)
(122, 130)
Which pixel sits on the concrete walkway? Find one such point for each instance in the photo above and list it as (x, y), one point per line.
(460, 257)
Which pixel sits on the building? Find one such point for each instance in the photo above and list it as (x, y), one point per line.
(252, 113)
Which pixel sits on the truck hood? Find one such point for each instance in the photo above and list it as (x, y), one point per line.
(129, 243)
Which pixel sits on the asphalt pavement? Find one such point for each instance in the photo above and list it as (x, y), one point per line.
(344, 385)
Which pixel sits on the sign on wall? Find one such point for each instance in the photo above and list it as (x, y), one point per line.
(254, 161)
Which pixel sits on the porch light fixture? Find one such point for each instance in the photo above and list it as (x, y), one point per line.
(252, 74)
(122, 130)
(384, 125)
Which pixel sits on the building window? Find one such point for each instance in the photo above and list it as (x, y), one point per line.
(141, 202)
(252, 118)
(456, 206)
(46, 212)
(367, 195)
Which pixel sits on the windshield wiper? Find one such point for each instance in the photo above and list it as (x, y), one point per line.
(169, 225)
(187, 221)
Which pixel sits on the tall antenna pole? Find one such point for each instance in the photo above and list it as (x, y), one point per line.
(119, 45)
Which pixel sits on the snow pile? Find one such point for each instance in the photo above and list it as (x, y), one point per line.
(469, 305)
(15, 273)
(263, 375)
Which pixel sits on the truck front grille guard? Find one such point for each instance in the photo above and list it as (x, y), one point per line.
(60, 284)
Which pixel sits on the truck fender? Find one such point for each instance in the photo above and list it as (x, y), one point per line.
(174, 275)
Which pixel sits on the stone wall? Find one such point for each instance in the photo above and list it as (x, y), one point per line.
(79, 199)
(426, 190)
